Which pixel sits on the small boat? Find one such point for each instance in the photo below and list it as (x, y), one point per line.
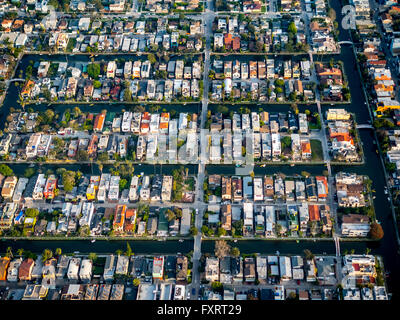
(93, 241)
(181, 240)
(292, 165)
(297, 241)
(263, 165)
(235, 240)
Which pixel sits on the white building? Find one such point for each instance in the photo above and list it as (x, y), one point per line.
(85, 272)
(73, 269)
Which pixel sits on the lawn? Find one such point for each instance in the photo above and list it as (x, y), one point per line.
(71, 44)
(316, 150)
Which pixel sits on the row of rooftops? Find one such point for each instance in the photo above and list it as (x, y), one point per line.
(272, 269)
(269, 188)
(272, 221)
(275, 270)
(82, 269)
(182, 81)
(265, 69)
(108, 122)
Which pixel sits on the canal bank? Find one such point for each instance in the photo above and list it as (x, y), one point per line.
(174, 246)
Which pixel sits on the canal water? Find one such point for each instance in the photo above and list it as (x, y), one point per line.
(387, 247)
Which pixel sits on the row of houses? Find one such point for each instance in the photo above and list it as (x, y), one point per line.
(87, 35)
(228, 147)
(264, 122)
(290, 90)
(383, 86)
(167, 6)
(272, 34)
(265, 69)
(81, 268)
(272, 221)
(137, 123)
(270, 269)
(270, 188)
(78, 86)
(40, 187)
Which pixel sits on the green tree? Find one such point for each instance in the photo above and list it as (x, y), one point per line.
(31, 212)
(127, 95)
(194, 231)
(68, 178)
(136, 282)
(9, 253)
(235, 252)
(221, 232)
(58, 252)
(20, 252)
(6, 170)
(29, 172)
(93, 70)
(47, 254)
(82, 155)
(122, 184)
(128, 252)
(292, 28)
(152, 58)
(305, 174)
(96, 84)
(92, 256)
(217, 286)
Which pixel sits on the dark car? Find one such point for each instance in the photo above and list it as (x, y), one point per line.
(193, 291)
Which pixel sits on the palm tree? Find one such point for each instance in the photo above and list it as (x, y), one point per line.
(309, 255)
(128, 250)
(58, 252)
(20, 252)
(9, 253)
(47, 254)
(118, 252)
